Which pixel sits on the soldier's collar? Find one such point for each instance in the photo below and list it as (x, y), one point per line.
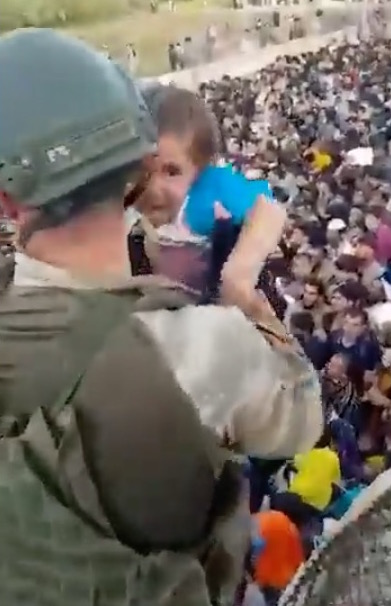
(30, 272)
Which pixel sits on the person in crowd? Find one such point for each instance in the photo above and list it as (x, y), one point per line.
(210, 42)
(354, 340)
(345, 442)
(189, 55)
(348, 295)
(370, 269)
(312, 301)
(132, 58)
(339, 395)
(302, 269)
(383, 235)
(299, 237)
(180, 64)
(172, 57)
(335, 230)
(302, 328)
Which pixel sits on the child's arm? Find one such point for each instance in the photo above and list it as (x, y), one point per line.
(259, 237)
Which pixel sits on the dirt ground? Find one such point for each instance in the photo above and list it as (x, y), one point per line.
(151, 33)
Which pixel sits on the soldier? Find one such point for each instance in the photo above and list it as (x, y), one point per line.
(114, 486)
(210, 42)
(179, 56)
(172, 57)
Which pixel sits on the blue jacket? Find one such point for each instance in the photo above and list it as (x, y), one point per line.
(221, 184)
(365, 354)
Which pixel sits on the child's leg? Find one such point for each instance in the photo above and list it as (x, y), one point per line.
(260, 475)
(292, 505)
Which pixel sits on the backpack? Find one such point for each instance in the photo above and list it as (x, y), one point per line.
(52, 553)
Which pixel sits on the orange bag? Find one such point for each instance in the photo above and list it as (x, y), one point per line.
(283, 552)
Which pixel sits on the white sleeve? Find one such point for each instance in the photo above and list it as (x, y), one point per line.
(268, 402)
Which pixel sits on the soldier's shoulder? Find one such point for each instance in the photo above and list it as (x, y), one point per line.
(37, 305)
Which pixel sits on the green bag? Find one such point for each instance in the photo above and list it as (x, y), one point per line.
(50, 557)
(53, 554)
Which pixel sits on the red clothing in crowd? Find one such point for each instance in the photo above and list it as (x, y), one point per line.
(383, 243)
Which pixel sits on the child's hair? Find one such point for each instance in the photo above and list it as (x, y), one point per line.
(184, 114)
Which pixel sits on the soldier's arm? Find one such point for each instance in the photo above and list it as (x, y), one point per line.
(237, 382)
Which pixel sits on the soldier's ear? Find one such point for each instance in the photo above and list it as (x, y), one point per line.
(9, 207)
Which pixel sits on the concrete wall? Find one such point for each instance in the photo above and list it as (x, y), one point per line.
(244, 64)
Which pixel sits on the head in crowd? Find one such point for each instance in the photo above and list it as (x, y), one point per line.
(302, 266)
(313, 293)
(349, 294)
(355, 324)
(337, 367)
(302, 325)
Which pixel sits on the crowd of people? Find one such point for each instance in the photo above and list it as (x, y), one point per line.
(135, 446)
(218, 41)
(318, 128)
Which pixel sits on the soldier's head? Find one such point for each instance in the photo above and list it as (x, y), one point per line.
(74, 132)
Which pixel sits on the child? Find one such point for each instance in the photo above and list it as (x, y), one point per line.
(188, 148)
(196, 191)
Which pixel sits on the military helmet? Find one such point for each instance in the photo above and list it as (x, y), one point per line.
(68, 115)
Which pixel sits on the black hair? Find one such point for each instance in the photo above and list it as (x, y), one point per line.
(302, 320)
(354, 292)
(316, 283)
(357, 312)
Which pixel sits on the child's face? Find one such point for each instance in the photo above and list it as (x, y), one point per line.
(175, 171)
